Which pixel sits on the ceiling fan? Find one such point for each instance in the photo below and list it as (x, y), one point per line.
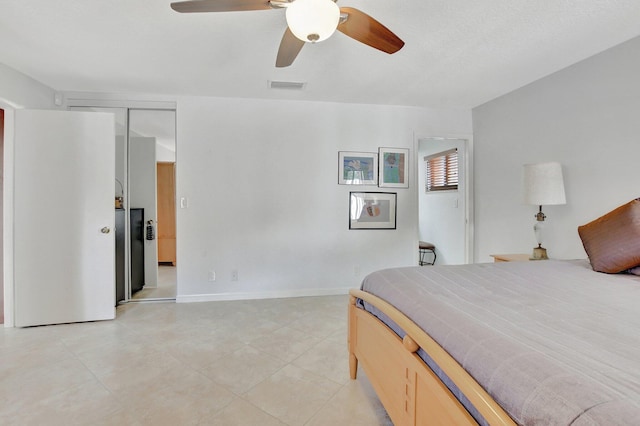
(308, 21)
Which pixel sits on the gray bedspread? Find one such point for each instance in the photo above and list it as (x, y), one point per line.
(553, 342)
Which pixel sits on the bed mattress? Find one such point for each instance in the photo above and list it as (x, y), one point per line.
(553, 342)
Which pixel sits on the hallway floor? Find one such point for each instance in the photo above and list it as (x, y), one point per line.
(166, 285)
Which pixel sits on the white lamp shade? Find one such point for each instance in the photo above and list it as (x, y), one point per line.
(313, 20)
(543, 184)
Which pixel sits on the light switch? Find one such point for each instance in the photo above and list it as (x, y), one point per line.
(184, 202)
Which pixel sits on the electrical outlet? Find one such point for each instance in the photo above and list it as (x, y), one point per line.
(234, 275)
(212, 275)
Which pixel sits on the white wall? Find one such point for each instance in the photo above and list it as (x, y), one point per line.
(20, 91)
(143, 194)
(442, 213)
(261, 182)
(164, 154)
(588, 118)
(121, 161)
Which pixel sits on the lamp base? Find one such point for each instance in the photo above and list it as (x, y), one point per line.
(539, 253)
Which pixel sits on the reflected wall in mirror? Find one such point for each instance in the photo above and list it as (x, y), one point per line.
(152, 156)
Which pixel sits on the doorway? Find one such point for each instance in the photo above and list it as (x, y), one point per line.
(444, 216)
(1, 216)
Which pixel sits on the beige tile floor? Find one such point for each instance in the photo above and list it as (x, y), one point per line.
(166, 288)
(264, 362)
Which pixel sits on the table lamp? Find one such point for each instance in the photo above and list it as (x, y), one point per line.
(543, 186)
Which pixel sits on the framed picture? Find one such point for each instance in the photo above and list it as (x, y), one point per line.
(394, 167)
(357, 168)
(372, 210)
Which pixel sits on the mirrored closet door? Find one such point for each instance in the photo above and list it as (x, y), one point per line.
(145, 203)
(152, 156)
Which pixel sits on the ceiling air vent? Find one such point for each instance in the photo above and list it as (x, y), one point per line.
(286, 85)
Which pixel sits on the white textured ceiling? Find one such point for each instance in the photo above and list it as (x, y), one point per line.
(458, 53)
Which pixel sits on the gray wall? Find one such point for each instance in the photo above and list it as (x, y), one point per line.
(587, 117)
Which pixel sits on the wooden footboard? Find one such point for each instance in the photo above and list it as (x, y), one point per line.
(410, 392)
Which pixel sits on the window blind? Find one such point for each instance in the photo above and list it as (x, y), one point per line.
(441, 171)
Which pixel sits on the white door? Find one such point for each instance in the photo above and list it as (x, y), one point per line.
(64, 217)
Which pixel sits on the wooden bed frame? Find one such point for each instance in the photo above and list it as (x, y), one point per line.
(409, 390)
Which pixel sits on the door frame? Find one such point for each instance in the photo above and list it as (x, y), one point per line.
(1, 212)
(7, 217)
(469, 256)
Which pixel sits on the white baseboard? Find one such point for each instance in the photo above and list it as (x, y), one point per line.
(280, 294)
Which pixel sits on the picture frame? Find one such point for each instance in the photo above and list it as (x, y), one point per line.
(372, 210)
(357, 168)
(393, 167)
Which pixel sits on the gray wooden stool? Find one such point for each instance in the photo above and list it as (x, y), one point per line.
(425, 248)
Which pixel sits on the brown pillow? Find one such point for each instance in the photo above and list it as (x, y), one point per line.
(612, 241)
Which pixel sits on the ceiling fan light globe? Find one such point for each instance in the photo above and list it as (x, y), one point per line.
(313, 20)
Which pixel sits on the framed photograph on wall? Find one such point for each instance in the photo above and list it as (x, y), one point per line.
(394, 167)
(357, 168)
(372, 210)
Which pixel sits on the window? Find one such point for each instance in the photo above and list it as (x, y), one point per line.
(441, 171)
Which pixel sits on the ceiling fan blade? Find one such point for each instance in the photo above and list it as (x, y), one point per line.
(290, 46)
(362, 27)
(196, 6)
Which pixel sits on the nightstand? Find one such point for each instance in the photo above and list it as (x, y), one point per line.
(513, 257)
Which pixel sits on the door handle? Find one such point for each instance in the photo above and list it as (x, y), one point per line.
(105, 230)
